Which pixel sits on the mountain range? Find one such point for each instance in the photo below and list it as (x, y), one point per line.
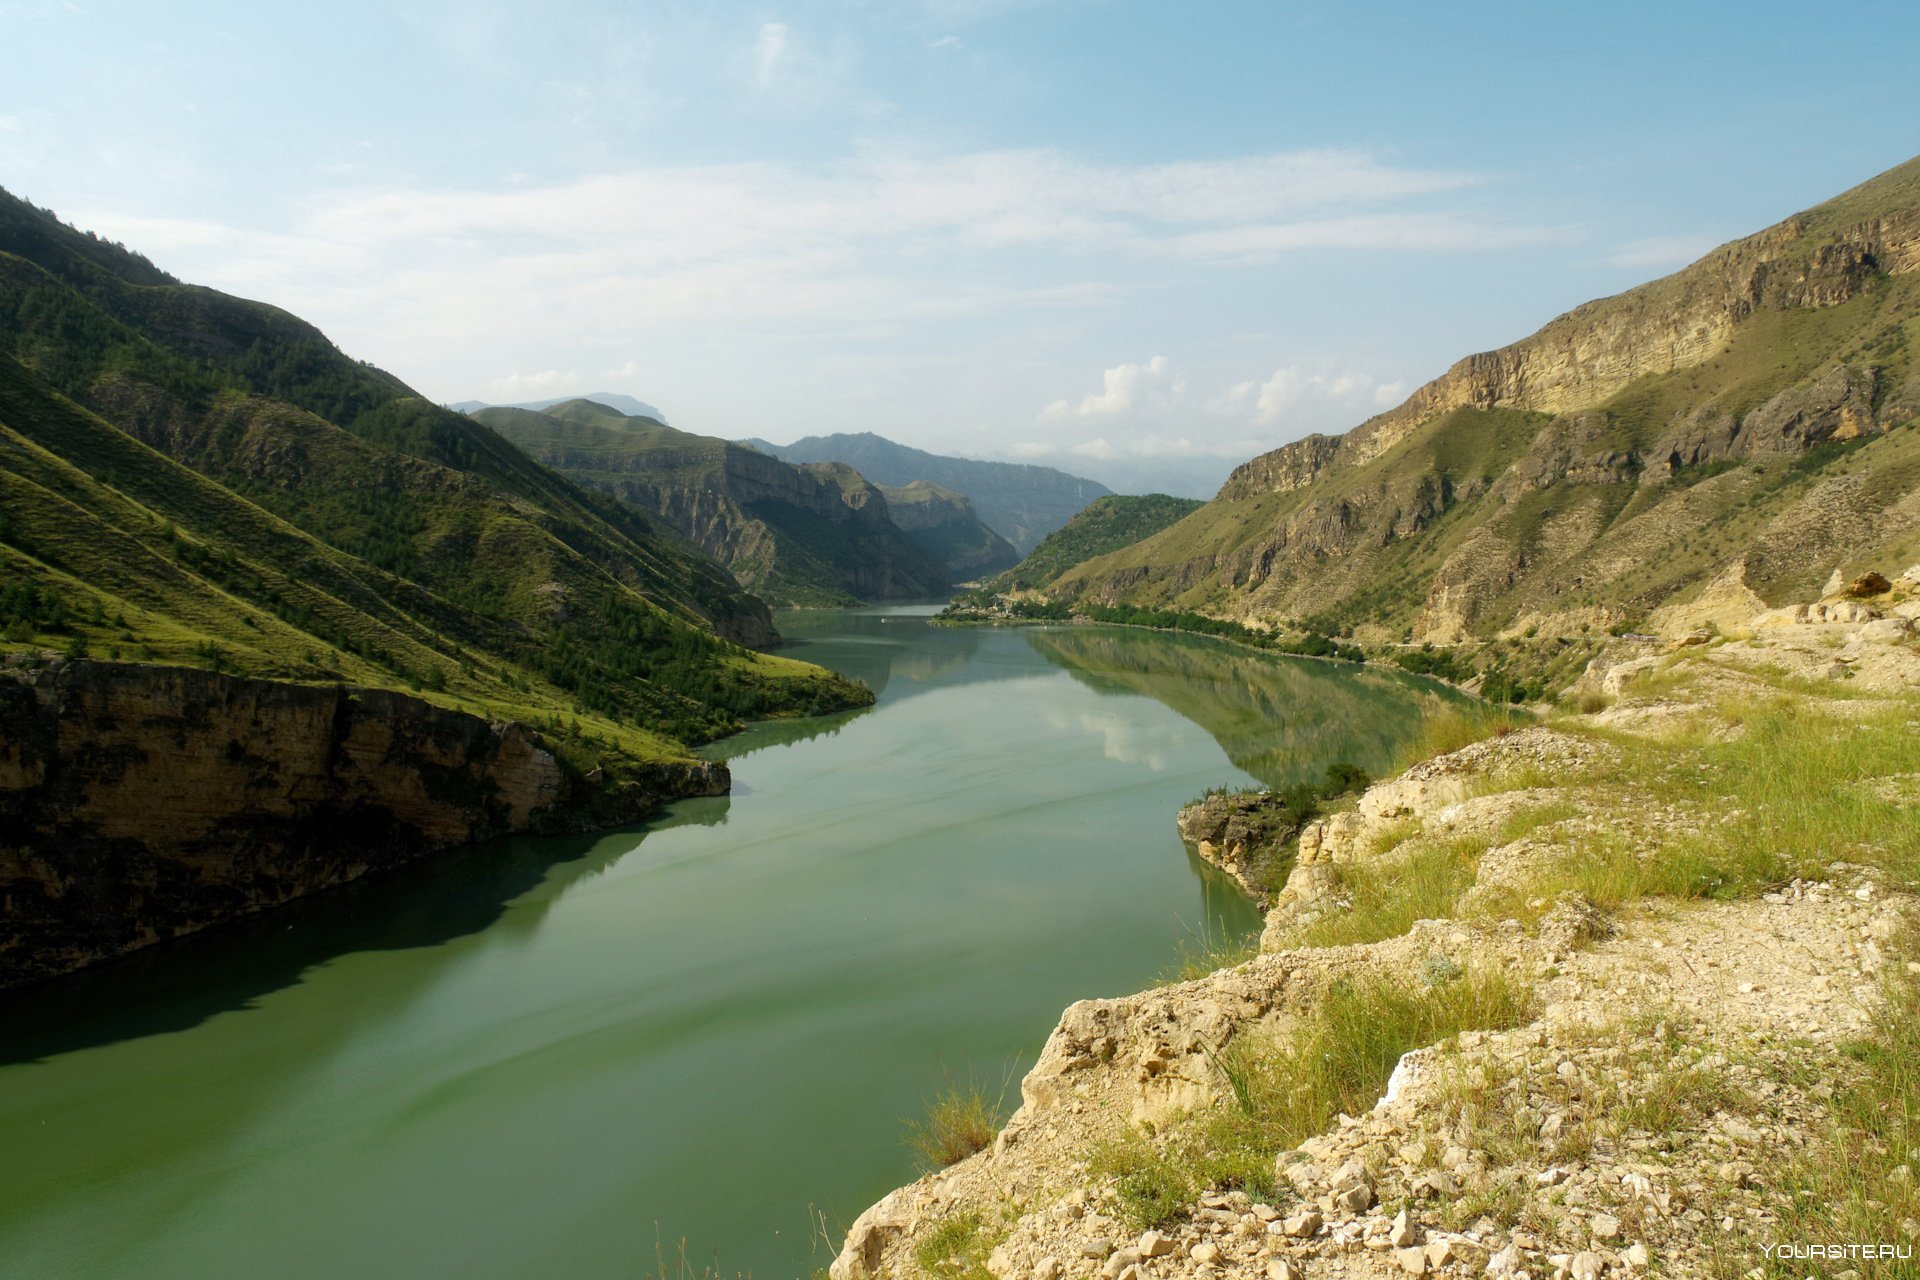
(1021, 503)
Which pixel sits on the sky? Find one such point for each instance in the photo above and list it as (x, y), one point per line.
(1141, 241)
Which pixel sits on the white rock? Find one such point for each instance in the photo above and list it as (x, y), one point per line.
(1154, 1245)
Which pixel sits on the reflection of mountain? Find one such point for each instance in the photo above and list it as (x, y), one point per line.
(900, 654)
(1283, 720)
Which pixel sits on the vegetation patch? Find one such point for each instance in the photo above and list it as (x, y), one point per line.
(1279, 1089)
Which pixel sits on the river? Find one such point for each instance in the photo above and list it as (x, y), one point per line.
(564, 1057)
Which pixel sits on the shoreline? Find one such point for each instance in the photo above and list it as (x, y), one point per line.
(1536, 820)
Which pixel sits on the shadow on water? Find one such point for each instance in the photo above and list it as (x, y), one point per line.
(180, 984)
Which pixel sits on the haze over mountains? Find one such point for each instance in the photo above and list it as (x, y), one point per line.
(1022, 503)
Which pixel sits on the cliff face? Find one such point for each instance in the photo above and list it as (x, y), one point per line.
(791, 534)
(139, 803)
(1749, 416)
(1581, 359)
(942, 523)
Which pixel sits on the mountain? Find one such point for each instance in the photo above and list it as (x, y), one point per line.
(942, 523)
(220, 475)
(797, 535)
(612, 399)
(1733, 431)
(1103, 525)
(1023, 504)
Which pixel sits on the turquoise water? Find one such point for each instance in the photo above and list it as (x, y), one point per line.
(555, 1057)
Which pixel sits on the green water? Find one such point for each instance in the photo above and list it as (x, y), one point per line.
(545, 1057)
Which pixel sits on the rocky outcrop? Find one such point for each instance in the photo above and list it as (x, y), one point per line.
(1247, 834)
(139, 803)
(942, 523)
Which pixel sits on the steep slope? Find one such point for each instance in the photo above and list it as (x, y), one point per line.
(1736, 429)
(942, 523)
(790, 534)
(1022, 504)
(408, 635)
(611, 608)
(1105, 525)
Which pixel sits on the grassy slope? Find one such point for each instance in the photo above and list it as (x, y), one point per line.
(510, 577)
(1103, 525)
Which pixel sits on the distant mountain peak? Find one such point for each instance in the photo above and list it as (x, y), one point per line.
(619, 402)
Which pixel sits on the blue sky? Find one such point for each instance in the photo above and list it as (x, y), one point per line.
(1145, 241)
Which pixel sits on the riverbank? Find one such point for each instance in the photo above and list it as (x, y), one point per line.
(141, 802)
(1623, 992)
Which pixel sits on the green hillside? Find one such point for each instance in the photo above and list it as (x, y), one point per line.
(1743, 426)
(1106, 524)
(195, 478)
(793, 535)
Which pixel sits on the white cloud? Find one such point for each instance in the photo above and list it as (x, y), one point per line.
(771, 53)
(1124, 389)
(531, 386)
(1661, 251)
(1293, 392)
(944, 42)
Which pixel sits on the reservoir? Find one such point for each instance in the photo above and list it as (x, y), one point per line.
(565, 1057)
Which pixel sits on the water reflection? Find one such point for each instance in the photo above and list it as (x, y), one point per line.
(1283, 720)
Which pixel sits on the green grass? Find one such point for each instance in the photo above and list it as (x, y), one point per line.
(961, 1118)
(958, 1248)
(1388, 895)
(1786, 792)
(1858, 1180)
(1277, 1091)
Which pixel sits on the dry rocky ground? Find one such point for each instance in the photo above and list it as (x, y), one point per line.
(1671, 1057)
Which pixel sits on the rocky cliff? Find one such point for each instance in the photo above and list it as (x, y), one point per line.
(139, 803)
(791, 534)
(1750, 415)
(942, 523)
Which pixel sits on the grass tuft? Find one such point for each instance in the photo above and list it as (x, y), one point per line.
(961, 1118)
